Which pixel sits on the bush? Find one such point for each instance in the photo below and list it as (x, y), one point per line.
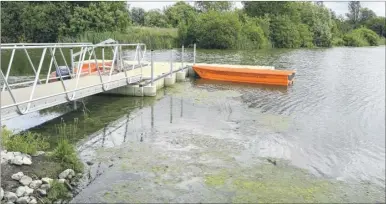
(65, 154)
(285, 33)
(255, 35)
(371, 37)
(354, 40)
(306, 36)
(217, 30)
(58, 191)
(338, 41)
(361, 37)
(28, 142)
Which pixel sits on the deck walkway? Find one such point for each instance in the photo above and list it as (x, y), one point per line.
(51, 94)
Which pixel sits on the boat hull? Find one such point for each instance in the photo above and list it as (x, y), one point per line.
(256, 76)
(88, 68)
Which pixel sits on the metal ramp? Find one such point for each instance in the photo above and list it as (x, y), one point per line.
(41, 92)
(76, 78)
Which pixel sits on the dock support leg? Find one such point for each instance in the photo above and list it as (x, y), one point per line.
(170, 80)
(191, 72)
(150, 90)
(75, 105)
(180, 76)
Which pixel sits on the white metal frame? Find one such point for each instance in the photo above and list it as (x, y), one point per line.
(71, 95)
(77, 61)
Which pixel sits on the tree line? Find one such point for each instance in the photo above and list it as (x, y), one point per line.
(216, 25)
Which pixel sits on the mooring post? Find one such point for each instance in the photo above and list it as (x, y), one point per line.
(152, 67)
(171, 61)
(182, 57)
(194, 53)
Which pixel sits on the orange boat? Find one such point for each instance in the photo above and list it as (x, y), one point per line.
(245, 75)
(92, 67)
(87, 68)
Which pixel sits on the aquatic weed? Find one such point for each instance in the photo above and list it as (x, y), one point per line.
(65, 152)
(58, 191)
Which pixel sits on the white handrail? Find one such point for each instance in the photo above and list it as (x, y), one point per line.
(88, 51)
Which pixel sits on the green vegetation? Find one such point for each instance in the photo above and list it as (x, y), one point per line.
(28, 142)
(361, 37)
(58, 191)
(153, 37)
(213, 25)
(65, 152)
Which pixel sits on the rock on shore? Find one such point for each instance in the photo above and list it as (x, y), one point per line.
(25, 193)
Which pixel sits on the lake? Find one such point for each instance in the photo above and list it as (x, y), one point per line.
(320, 140)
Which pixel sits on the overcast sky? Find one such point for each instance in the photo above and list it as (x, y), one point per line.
(338, 7)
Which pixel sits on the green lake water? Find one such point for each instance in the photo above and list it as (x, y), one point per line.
(205, 141)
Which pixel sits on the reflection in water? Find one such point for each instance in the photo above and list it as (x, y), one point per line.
(204, 83)
(171, 109)
(330, 122)
(182, 107)
(152, 116)
(109, 136)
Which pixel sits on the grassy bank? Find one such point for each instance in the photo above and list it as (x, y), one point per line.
(63, 152)
(154, 38)
(60, 157)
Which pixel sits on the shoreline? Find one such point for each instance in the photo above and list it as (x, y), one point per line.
(36, 180)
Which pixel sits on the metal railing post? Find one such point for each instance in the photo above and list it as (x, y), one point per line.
(30, 61)
(171, 61)
(103, 59)
(72, 60)
(137, 50)
(36, 79)
(138, 55)
(9, 67)
(121, 59)
(152, 66)
(182, 57)
(89, 61)
(50, 67)
(194, 53)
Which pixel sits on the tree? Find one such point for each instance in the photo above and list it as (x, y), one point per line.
(11, 21)
(286, 35)
(50, 21)
(155, 18)
(366, 15)
(180, 12)
(205, 6)
(254, 33)
(378, 25)
(138, 16)
(272, 8)
(215, 29)
(354, 12)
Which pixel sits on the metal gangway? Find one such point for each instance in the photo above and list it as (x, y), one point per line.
(74, 79)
